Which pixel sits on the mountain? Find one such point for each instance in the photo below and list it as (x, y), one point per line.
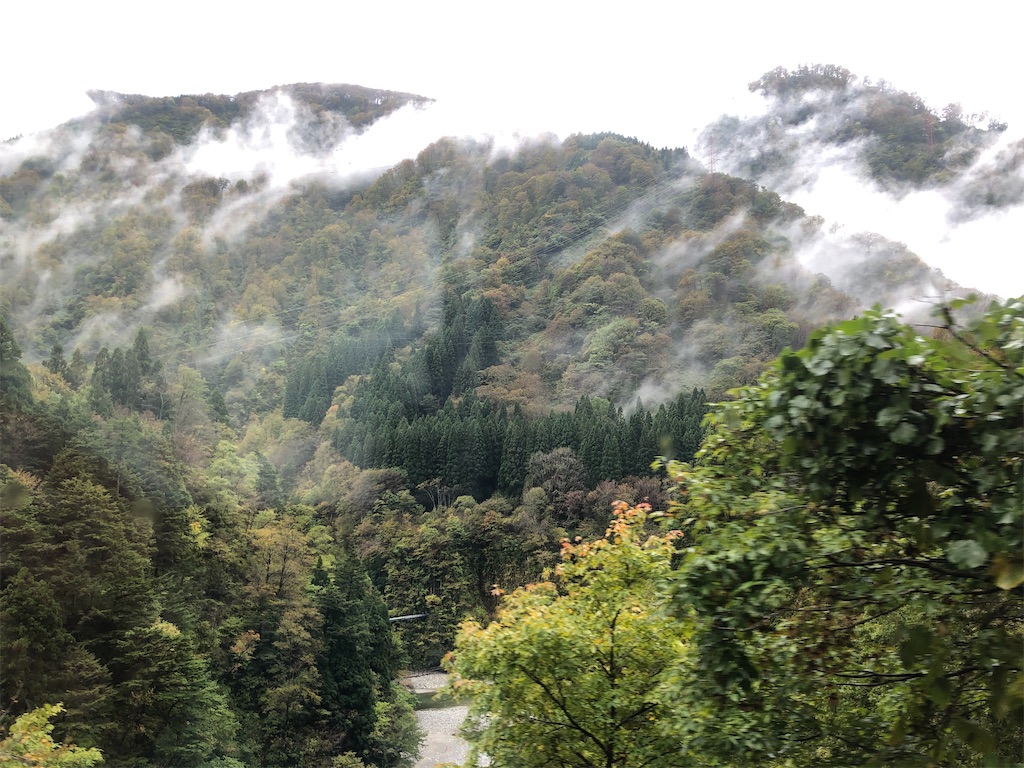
(326, 109)
(115, 221)
(300, 376)
(822, 115)
(305, 281)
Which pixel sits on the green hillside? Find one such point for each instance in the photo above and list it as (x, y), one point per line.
(249, 413)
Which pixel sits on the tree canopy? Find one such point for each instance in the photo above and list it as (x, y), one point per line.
(846, 588)
(573, 672)
(858, 525)
(356, 397)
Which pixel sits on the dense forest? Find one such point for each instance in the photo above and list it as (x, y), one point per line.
(246, 419)
(834, 582)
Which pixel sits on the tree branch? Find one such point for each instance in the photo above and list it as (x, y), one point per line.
(562, 707)
(947, 315)
(929, 565)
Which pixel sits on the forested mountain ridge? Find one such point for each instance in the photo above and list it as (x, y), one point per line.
(182, 117)
(106, 229)
(823, 115)
(296, 391)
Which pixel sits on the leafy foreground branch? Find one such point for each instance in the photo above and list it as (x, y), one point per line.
(846, 590)
(30, 743)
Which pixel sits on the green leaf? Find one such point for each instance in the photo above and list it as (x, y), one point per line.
(966, 553)
(904, 433)
(889, 416)
(916, 645)
(941, 691)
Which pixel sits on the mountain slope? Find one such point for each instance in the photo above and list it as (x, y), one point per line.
(587, 247)
(266, 379)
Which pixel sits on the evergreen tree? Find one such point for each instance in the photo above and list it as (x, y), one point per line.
(41, 660)
(268, 484)
(77, 369)
(515, 452)
(591, 449)
(168, 710)
(98, 567)
(611, 459)
(100, 400)
(218, 408)
(15, 381)
(148, 366)
(647, 448)
(359, 656)
(56, 362)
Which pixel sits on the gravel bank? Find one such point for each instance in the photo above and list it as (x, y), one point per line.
(441, 744)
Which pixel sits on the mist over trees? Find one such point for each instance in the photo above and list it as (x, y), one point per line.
(898, 139)
(246, 417)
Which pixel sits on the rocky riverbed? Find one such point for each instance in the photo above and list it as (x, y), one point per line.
(441, 745)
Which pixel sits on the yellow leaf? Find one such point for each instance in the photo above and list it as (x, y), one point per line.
(1009, 575)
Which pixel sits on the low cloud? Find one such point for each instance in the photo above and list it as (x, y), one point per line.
(972, 252)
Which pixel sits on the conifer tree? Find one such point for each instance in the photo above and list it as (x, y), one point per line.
(56, 362)
(15, 382)
(100, 400)
(611, 459)
(76, 369)
(140, 348)
(37, 647)
(167, 709)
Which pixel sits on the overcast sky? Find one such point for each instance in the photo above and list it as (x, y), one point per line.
(638, 67)
(659, 71)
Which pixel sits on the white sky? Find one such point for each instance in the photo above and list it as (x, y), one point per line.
(655, 69)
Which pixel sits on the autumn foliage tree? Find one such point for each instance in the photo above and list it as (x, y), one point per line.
(573, 671)
(30, 743)
(847, 590)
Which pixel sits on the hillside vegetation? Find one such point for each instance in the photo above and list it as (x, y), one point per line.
(895, 138)
(248, 414)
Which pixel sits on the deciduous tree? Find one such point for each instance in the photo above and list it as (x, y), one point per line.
(573, 672)
(30, 743)
(858, 526)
